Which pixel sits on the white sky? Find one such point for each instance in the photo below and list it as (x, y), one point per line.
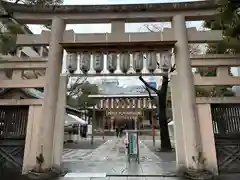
(103, 28)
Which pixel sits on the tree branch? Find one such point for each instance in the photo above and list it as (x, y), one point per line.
(75, 87)
(194, 49)
(17, 1)
(149, 92)
(173, 68)
(147, 85)
(153, 27)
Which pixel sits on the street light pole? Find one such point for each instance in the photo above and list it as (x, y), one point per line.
(86, 116)
(93, 124)
(153, 123)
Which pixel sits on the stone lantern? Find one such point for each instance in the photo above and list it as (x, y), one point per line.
(85, 59)
(98, 62)
(138, 61)
(112, 62)
(151, 61)
(124, 62)
(72, 62)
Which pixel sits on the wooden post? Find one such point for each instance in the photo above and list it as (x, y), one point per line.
(93, 124)
(103, 123)
(153, 128)
(135, 119)
(111, 124)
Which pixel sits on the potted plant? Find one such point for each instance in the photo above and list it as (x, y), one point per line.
(40, 161)
(38, 172)
(198, 172)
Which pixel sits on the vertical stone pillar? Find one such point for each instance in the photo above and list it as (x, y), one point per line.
(54, 67)
(223, 72)
(185, 76)
(103, 123)
(178, 122)
(32, 148)
(135, 123)
(118, 27)
(101, 120)
(207, 137)
(59, 122)
(94, 124)
(112, 124)
(153, 125)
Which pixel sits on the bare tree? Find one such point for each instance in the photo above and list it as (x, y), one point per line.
(162, 107)
(162, 93)
(74, 86)
(193, 48)
(78, 93)
(41, 3)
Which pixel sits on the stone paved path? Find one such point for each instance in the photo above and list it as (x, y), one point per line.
(122, 178)
(75, 154)
(78, 150)
(111, 160)
(164, 156)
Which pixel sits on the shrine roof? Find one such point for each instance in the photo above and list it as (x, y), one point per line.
(122, 96)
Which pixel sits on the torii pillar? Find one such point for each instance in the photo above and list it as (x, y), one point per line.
(41, 131)
(184, 107)
(54, 68)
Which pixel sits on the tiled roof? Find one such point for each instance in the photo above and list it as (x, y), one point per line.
(36, 94)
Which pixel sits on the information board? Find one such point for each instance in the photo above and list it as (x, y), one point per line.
(133, 143)
(153, 84)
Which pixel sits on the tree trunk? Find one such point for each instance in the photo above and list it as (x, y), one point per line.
(164, 133)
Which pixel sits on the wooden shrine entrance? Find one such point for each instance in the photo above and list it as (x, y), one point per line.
(122, 110)
(226, 128)
(13, 124)
(122, 117)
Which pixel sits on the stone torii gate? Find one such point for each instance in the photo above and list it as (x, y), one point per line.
(184, 102)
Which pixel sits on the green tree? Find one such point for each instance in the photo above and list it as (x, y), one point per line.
(212, 91)
(79, 91)
(8, 38)
(10, 27)
(227, 20)
(83, 99)
(39, 3)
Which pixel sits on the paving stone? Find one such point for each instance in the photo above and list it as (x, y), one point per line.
(68, 178)
(75, 154)
(164, 156)
(162, 178)
(123, 178)
(136, 178)
(110, 158)
(116, 178)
